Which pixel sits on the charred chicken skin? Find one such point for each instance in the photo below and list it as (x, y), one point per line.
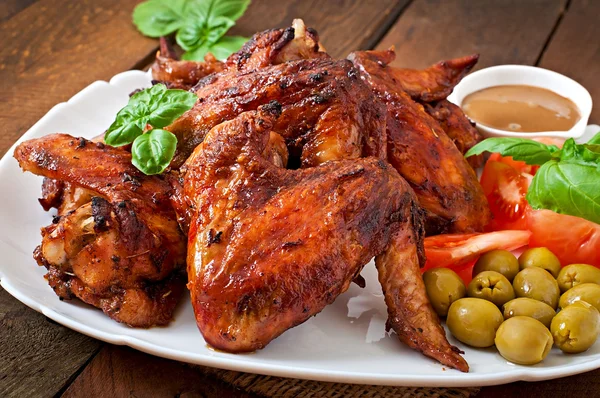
(434, 83)
(271, 47)
(328, 112)
(175, 73)
(458, 127)
(256, 267)
(115, 243)
(417, 146)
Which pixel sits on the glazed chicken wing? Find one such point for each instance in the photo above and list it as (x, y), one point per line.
(424, 155)
(271, 47)
(115, 243)
(458, 127)
(176, 73)
(434, 83)
(269, 247)
(328, 112)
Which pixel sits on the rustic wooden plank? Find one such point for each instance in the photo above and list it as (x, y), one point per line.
(121, 372)
(575, 49)
(8, 8)
(582, 385)
(38, 356)
(343, 25)
(54, 48)
(509, 31)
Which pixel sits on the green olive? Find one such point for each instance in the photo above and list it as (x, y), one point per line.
(538, 284)
(523, 340)
(501, 261)
(576, 327)
(491, 286)
(540, 257)
(588, 292)
(474, 321)
(443, 287)
(576, 274)
(524, 306)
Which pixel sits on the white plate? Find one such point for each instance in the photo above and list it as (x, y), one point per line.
(345, 343)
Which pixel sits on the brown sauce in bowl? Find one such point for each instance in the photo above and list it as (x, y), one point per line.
(521, 108)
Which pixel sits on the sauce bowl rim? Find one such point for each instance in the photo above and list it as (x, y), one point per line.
(583, 100)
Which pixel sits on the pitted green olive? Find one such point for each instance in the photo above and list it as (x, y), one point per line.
(576, 274)
(474, 321)
(588, 292)
(576, 327)
(524, 306)
(540, 257)
(538, 284)
(523, 340)
(491, 286)
(443, 287)
(501, 261)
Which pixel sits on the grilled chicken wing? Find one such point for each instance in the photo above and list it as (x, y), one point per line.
(458, 127)
(424, 155)
(271, 47)
(175, 73)
(115, 243)
(257, 266)
(328, 112)
(434, 83)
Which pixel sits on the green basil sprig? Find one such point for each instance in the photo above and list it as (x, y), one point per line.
(200, 24)
(158, 107)
(568, 180)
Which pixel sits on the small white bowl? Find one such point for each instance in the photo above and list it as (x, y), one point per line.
(532, 76)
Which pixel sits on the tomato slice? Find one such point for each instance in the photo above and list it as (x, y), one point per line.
(505, 189)
(573, 240)
(456, 250)
(518, 165)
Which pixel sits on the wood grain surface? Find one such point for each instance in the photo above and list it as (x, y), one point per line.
(343, 25)
(503, 32)
(123, 372)
(574, 49)
(37, 356)
(54, 48)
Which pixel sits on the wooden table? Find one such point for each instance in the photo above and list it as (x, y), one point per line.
(51, 49)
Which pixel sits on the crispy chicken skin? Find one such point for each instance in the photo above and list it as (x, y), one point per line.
(458, 127)
(271, 47)
(328, 112)
(258, 267)
(116, 245)
(417, 146)
(175, 73)
(434, 83)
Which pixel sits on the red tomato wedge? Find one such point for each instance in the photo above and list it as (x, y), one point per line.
(518, 165)
(505, 189)
(573, 240)
(456, 250)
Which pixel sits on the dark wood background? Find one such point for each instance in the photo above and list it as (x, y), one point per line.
(51, 49)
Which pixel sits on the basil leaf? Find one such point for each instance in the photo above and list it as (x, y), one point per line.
(222, 49)
(171, 104)
(595, 139)
(568, 187)
(198, 32)
(585, 153)
(129, 124)
(529, 151)
(156, 106)
(157, 18)
(232, 9)
(152, 152)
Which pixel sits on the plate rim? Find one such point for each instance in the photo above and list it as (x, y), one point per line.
(447, 378)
